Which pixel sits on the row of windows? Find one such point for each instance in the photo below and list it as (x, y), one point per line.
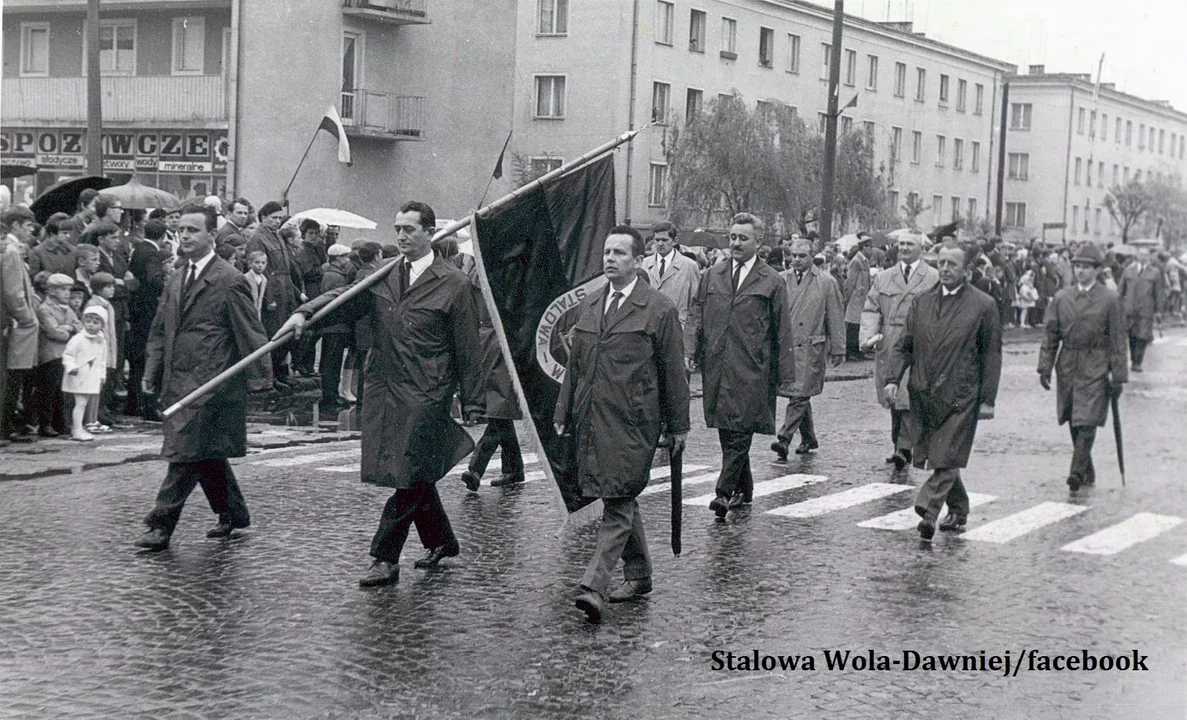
(1120, 175)
(117, 47)
(941, 211)
(1155, 138)
(1075, 227)
(958, 150)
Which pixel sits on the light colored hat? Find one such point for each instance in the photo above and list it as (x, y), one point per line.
(337, 250)
(95, 310)
(213, 201)
(59, 280)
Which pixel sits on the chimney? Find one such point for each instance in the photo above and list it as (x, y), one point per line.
(1036, 70)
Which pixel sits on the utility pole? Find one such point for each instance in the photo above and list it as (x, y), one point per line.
(830, 126)
(94, 93)
(1001, 158)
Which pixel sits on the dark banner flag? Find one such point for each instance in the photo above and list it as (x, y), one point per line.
(542, 255)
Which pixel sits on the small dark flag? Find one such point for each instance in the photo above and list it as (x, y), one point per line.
(498, 173)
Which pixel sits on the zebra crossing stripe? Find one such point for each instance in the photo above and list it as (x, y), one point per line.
(907, 519)
(1112, 540)
(839, 500)
(1015, 526)
(307, 459)
(768, 487)
(664, 487)
(1181, 560)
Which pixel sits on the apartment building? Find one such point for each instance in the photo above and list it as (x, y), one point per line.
(589, 70)
(1068, 145)
(224, 96)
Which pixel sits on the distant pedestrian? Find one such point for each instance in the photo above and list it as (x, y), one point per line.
(259, 375)
(285, 286)
(100, 415)
(676, 276)
(84, 364)
(337, 338)
(857, 287)
(1143, 291)
(19, 325)
(148, 267)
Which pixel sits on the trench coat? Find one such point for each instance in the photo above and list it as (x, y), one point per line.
(624, 384)
(1142, 297)
(857, 287)
(284, 275)
(744, 347)
(679, 284)
(887, 303)
(1085, 344)
(955, 356)
(192, 339)
(424, 348)
(817, 327)
(501, 400)
(20, 308)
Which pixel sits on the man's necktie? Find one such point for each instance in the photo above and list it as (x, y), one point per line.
(799, 276)
(906, 273)
(662, 265)
(737, 277)
(615, 301)
(405, 278)
(191, 270)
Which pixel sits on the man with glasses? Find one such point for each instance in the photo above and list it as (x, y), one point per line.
(744, 347)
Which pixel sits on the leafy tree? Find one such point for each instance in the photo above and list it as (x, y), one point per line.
(1127, 205)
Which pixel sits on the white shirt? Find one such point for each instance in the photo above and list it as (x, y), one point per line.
(912, 267)
(199, 265)
(953, 291)
(746, 267)
(1086, 288)
(416, 268)
(626, 293)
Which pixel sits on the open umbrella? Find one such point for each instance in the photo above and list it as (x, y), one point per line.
(14, 171)
(706, 239)
(334, 216)
(846, 242)
(943, 231)
(63, 196)
(137, 196)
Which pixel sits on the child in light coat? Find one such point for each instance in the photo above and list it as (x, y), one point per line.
(84, 362)
(102, 291)
(259, 374)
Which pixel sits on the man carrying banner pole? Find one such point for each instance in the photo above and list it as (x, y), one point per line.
(624, 385)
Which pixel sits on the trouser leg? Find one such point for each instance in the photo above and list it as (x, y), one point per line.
(1137, 350)
(333, 347)
(223, 493)
(797, 409)
(621, 528)
(484, 449)
(397, 518)
(180, 480)
(432, 524)
(958, 497)
(512, 461)
(14, 383)
(1082, 440)
(735, 463)
(935, 491)
(808, 426)
(852, 334)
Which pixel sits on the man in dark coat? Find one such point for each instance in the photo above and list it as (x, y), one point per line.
(857, 287)
(744, 348)
(952, 344)
(624, 385)
(285, 286)
(1143, 290)
(337, 338)
(817, 333)
(1085, 345)
(148, 268)
(205, 324)
(310, 256)
(424, 346)
(238, 216)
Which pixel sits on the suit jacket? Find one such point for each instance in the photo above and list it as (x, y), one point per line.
(116, 265)
(18, 320)
(857, 286)
(886, 306)
(817, 327)
(194, 338)
(679, 284)
(147, 267)
(1142, 295)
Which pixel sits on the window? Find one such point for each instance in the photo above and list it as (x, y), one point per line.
(1079, 167)
(846, 125)
(657, 183)
(978, 99)
(900, 79)
(554, 17)
(1116, 174)
(937, 210)
(1075, 219)
(1104, 126)
(943, 89)
(1096, 222)
(1080, 121)
(1015, 214)
(896, 144)
(976, 159)
(692, 105)
(1137, 176)
(962, 91)
(35, 49)
(1092, 125)
(1172, 144)
(1019, 168)
(1129, 132)
(822, 122)
(1117, 137)
(550, 96)
(916, 146)
(972, 209)
(663, 22)
(941, 147)
(920, 84)
(892, 196)
(352, 72)
(729, 38)
(1182, 142)
(117, 47)
(766, 47)
(1100, 174)
(1125, 175)
(1142, 137)
(1020, 116)
(189, 34)
(851, 67)
(867, 127)
(544, 165)
(827, 61)
(912, 199)
(1088, 175)
(957, 154)
(955, 209)
(1161, 141)
(696, 31)
(871, 72)
(661, 94)
(793, 54)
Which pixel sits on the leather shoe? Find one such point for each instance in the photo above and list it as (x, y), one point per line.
(48, 432)
(805, 448)
(155, 540)
(631, 589)
(720, 506)
(506, 479)
(954, 523)
(223, 529)
(472, 480)
(1073, 482)
(780, 448)
(590, 603)
(381, 573)
(926, 528)
(901, 459)
(433, 557)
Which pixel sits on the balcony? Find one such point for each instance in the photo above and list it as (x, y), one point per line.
(179, 101)
(382, 115)
(396, 12)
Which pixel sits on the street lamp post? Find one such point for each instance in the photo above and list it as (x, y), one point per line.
(94, 93)
(830, 128)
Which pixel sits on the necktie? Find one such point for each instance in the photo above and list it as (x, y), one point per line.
(405, 278)
(799, 276)
(191, 271)
(662, 264)
(906, 273)
(615, 301)
(737, 276)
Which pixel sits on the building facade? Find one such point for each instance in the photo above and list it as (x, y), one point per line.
(224, 97)
(588, 71)
(1068, 145)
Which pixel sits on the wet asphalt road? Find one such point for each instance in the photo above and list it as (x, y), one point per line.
(271, 624)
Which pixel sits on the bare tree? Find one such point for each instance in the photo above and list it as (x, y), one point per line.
(1127, 205)
(912, 209)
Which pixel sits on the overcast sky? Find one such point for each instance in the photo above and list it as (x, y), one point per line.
(1143, 40)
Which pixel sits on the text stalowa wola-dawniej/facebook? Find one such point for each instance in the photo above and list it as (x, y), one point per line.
(1005, 663)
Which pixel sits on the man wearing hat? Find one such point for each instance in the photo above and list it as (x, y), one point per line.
(1142, 288)
(1085, 344)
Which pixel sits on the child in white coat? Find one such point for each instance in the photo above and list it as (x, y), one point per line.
(84, 362)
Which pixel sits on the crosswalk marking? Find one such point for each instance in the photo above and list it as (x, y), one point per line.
(132, 447)
(907, 519)
(665, 487)
(1112, 540)
(768, 487)
(839, 500)
(1020, 523)
(1181, 560)
(306, 459)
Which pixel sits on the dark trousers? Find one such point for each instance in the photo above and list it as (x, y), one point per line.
(1083, 438)
(218, 483)
(620, 536)
(135, 344)
(900, 429)
(799, 417)
(280, 365)
(944, 485)
(735, 463)
(14, 381)
(305, 352)
(333, 347)
(47, 395)
(498, 433)
(1137, 350)
(420, 505)
(852, 335)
